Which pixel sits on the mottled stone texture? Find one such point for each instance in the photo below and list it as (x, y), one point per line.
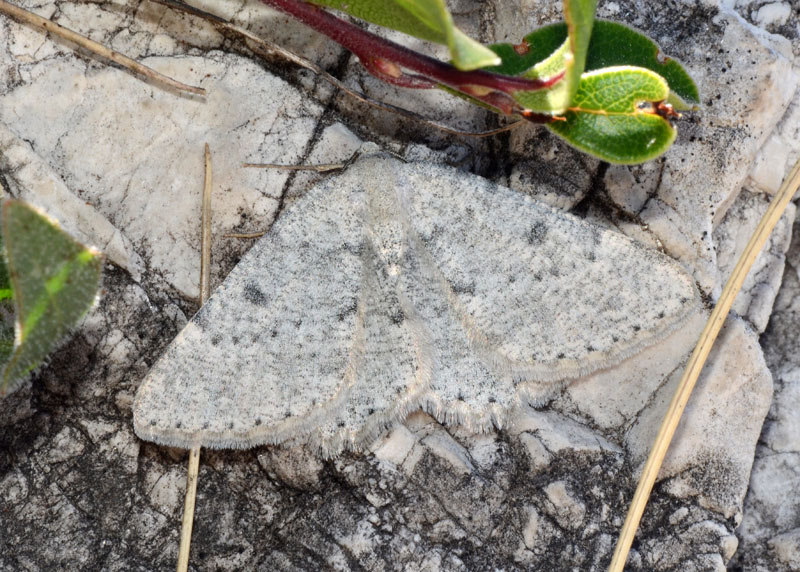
(120, 162)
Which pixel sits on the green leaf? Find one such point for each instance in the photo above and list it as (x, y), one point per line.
(611, 44)
(615, 44)
(425, 19)
(610, 116)
(54, 280)
(6, 310)
(548, 51)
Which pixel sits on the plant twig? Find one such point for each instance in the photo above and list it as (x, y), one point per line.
(696, 363)
(205, 293)
(272, 49)
(96, 48)
(387, 58)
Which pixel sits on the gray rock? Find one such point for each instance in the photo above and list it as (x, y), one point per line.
(768, 533)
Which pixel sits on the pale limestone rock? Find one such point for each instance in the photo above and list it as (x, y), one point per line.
(548, 169)
(734, 381)
(629, 187)
(786, 548)
(693, 191)
(396, 446)
(137, 141)
(33, 180)
(694, 195)
(565, 508)
(295, 466)
(445, 447)
(538, 454)
(165, 489)
(611, 399)
(755, 300)
(557, 432)
(768, 536)
(778, 154)
(782, 434)
(773, 13)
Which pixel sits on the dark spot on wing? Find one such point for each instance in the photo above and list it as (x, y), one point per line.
(562, 355)
(463, 287)
(200, 320)
(258, 421)
(537, 233)
(350, 308)
(398, 316)
(637, 328)
(254, 295)
(215, 340)
(356, 249)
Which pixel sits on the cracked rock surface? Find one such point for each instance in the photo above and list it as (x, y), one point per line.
(119, 162)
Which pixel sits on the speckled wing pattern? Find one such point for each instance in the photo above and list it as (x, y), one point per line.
(396, 286)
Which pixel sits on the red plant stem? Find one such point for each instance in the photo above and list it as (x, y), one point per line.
(369, 47)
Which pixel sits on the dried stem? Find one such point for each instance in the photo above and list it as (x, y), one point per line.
(205, 293)
(272, 49)
(323, 168)
(696, 363)
(96, 48)
(205, 237)
(245, 235)
(188, 509)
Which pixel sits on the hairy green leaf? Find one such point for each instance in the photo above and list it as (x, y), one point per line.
(54, 280)
(611, 44)
(611, 116)
(6, 310)
(548, 51)
(426, 19)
